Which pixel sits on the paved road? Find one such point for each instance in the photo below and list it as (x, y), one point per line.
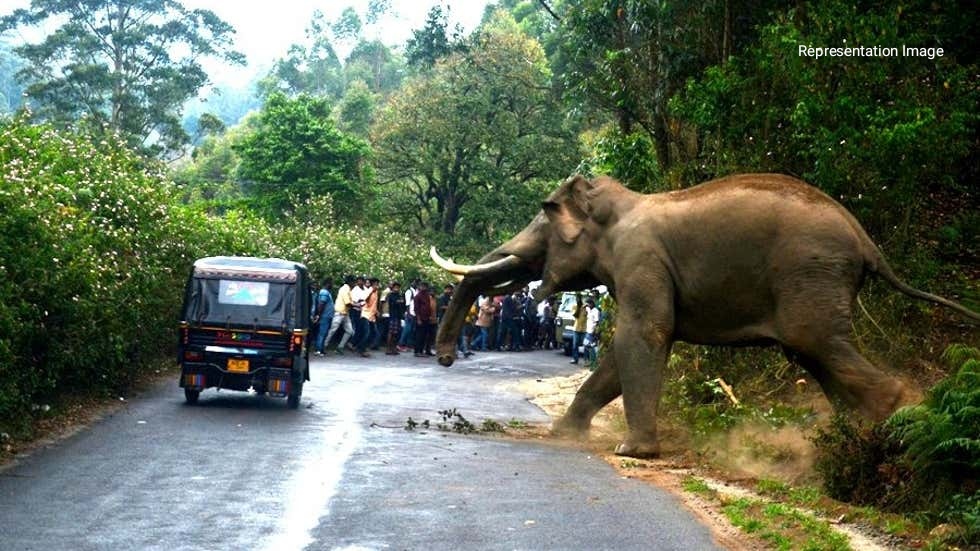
(241, 472)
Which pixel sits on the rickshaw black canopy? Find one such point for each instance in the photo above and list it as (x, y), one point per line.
(230, 291)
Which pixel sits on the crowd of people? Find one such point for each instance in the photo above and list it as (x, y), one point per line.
(368, 317)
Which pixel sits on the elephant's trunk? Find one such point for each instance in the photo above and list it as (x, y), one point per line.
(452, 321)
(505, 269)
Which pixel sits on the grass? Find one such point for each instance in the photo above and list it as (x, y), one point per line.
(695, 485)
(780, 525)
(813, 499)
(783, 526)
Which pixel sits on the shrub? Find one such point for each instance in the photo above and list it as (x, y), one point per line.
(941, 436)
(858, 463)
(87, 264)
(924, 458)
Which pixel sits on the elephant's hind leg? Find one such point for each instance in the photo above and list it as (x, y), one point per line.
(847, 378)
(815, 328)
(599, 389)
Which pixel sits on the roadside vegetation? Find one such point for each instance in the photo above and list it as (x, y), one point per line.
(358, 164)
(912, 478)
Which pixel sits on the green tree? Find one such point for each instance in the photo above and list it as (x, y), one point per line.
(228, 104)
(459, 145)
(313, 69)
(433, 41)
(355, 112)
(885, 135)
(211, 173)
(117, 63)
(376, 10)
(376, 65)
(629, 57)
(295, 149)
(347, 27)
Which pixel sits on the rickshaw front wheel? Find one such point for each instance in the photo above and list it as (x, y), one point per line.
(191, 395)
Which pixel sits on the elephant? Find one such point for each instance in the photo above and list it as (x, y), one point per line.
(744, 260)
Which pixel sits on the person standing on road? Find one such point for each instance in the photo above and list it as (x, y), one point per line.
(383, 318)
(433, 322)
(369, 318)
(358, 294)
(341, 315)
(591, 330)
(546, 327)
(510, 316)
(530, 320)
(424, 320)
(408, 332)
(323, 314)
(396, 311)
(484, 321)
(442, 304)
(581, 318)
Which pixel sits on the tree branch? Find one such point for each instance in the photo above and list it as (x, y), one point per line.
(549, 10)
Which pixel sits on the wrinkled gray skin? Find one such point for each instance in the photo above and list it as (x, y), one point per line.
(753, 259)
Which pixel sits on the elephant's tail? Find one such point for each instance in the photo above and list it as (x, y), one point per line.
(879, 265)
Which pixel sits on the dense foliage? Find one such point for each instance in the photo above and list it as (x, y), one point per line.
(89, 255)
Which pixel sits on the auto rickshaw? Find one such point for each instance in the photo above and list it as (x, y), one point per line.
(245, 324)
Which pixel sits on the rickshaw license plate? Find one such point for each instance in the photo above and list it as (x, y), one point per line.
(237, 366)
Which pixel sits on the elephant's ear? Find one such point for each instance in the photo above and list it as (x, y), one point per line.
(568, 208)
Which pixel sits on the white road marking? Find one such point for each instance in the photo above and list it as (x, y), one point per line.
(307, 494)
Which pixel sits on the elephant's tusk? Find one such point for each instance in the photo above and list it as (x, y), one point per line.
(503, 285)
(508, 261)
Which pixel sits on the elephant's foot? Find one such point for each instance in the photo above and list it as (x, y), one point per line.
(567, 427)
(639, 450)
(886, 398)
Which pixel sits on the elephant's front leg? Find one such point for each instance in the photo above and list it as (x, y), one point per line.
(599, 389)
(644, 335)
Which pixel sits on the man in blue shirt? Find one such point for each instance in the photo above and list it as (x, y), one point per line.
(324, 314)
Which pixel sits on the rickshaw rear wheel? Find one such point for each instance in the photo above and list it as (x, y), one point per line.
(292, 401)
(191, 395)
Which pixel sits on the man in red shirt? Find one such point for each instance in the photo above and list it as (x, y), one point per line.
(425, 318)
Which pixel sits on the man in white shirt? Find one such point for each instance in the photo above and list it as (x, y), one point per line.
(407, 338)
(591, 325)
(358, 296)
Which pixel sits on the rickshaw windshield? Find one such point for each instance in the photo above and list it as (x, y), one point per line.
(235, 302)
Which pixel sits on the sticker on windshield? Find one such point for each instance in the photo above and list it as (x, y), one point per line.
(246, 293)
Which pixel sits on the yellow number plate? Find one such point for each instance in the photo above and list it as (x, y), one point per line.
(238, 366)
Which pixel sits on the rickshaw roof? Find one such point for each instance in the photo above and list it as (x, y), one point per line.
(246, 267)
